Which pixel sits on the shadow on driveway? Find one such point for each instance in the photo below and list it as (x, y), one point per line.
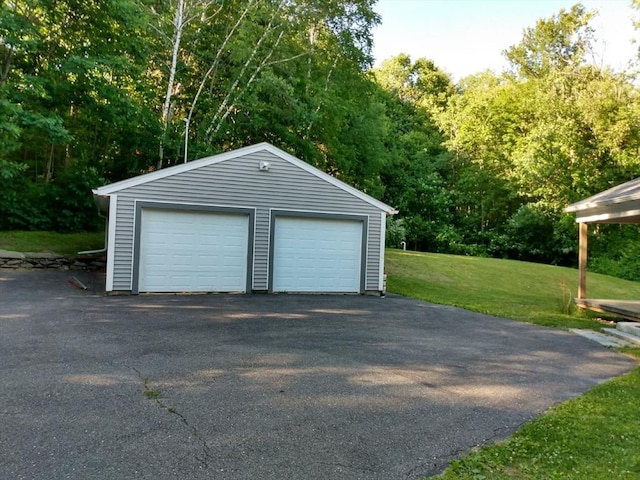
(265, 386)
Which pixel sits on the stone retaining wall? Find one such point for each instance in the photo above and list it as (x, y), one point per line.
(94, 262)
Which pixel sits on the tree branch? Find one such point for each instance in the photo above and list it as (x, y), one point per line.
(214, 65)
(326, 87)
(6, 68)
(225, 102)
(178, 24)
(285, 60)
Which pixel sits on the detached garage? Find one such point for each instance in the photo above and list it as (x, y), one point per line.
(253, 219)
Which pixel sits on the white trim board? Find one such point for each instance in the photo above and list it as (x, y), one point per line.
(111, 243)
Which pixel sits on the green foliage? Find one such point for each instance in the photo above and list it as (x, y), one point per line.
(535, 234)
(553, 44)
(416, 173)
(615, 250)
(10, 129)
(478, 168)
(80, 99)
(16, 209)
(63, 205)
(395, 232)
(71, 199)
(528, 143)
(420, 83)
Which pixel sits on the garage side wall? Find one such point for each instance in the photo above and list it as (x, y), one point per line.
(239, 182)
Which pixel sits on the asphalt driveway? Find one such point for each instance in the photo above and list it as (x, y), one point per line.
(264, 386)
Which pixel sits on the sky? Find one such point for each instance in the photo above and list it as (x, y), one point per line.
(463, 37)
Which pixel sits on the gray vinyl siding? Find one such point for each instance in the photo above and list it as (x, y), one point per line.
(238, 182)
(123, 252)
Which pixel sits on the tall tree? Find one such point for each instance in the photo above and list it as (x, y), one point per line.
(418, 170)
(553, 130)
(556, 43)
(76, 77)
(105, 85)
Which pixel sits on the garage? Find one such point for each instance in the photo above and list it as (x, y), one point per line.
(317, 254)
(192, 251)
(255, 219)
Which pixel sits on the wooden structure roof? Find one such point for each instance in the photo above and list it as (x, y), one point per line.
(619, 204)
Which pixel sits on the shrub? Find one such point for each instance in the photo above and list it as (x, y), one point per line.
(615, 250)
(71, 197)
(64, 205)
(395, 232)
(536, 234)
(19, 199)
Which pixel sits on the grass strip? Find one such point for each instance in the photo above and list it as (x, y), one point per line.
(51, 242)
(529, 292)
(593, 437)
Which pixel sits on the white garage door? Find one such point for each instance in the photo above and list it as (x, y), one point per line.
(316, 255)
(190, 251)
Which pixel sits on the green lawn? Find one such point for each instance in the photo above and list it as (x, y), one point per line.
(50, 242)
(596, 436)
(529, 292)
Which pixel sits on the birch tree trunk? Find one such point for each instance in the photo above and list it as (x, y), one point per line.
(178, 25)
(233, 93)
(214, 65)
(226, 106)
(326, 88)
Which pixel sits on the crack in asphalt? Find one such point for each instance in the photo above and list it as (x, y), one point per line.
(347, 467)
(206, 458)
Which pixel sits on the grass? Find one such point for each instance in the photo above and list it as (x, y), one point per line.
(51, 242)
(152, 394)
(529, 292)
(593, 437)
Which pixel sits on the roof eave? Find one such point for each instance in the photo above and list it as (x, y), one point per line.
(166, 172)
(581, 206)
(176, 169)
(101, 201)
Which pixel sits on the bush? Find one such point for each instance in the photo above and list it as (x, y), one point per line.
(19, 199)
(615, 250)
(395, 232)
(536, 234)
(64, 205)
(72, 199)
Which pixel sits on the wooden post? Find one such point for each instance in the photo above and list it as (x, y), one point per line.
(582, 260)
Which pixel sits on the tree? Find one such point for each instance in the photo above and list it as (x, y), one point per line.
(186, 12)
(234, 53)
(102, 87)
(554, 44)
(553, 130)
(417, 172)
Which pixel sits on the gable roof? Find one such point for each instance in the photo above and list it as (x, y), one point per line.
(619, 204)
(203, 162)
